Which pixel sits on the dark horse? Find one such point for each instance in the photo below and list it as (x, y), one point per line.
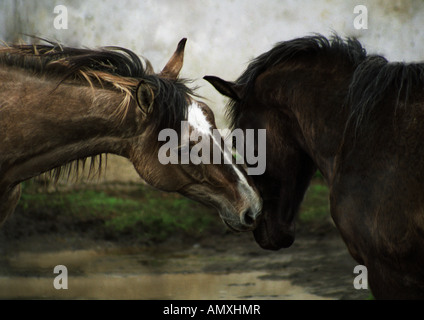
(328, 105)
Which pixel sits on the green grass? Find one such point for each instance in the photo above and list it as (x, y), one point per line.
(143, 213)
(148, 213)
(315, 206)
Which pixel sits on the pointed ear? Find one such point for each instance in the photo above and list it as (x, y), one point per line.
(145, 97)
(226, 88)
(174, 65)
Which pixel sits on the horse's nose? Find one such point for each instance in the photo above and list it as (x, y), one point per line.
(249, 217)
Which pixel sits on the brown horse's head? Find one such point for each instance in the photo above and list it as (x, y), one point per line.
(181, 150)
(115, 103)
(288, 168)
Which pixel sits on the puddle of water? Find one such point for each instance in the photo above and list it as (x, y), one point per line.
(155, 286)
(108, 275)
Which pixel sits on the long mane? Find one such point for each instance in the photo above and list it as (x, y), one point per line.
(112, 65)
(112, 68)
(373, 78)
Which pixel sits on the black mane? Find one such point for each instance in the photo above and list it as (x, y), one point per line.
(374, 77)
(288, 51)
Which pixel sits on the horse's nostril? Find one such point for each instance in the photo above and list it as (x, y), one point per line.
(248, 218)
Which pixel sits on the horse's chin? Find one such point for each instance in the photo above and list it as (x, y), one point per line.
(274, 236)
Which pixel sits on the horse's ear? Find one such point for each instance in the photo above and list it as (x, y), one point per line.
(145, 97)
(226, 88)
(174, 65)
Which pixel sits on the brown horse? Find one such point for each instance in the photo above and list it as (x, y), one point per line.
(327, 104)
(59, 105)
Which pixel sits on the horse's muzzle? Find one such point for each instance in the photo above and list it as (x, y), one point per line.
(274, 236)
(248, 221)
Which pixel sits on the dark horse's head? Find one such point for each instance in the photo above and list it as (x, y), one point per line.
(257, 102)
(288, 168)
(279, 91)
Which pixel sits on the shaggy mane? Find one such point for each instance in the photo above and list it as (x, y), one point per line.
(374, 77)
(113, 68)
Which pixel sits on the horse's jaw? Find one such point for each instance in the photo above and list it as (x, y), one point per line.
(274, 235)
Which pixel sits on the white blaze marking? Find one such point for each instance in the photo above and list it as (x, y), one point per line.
(197, 120)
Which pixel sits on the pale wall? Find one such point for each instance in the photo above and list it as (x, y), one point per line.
(223, 35)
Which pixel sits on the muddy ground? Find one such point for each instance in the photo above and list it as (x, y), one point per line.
(317, 266)
(218, 264)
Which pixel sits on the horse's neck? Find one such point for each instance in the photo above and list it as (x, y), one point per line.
(321, 115)
(43, 127)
